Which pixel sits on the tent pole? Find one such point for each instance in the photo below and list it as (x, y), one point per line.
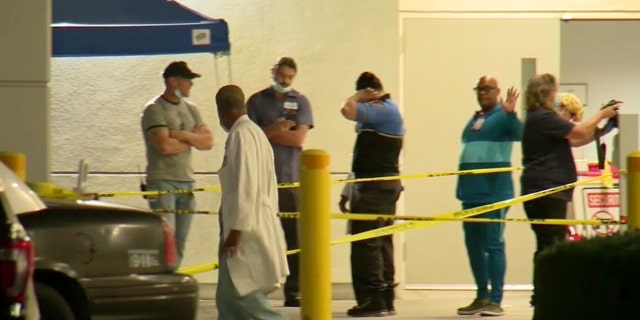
(215, 62)
(229, 66)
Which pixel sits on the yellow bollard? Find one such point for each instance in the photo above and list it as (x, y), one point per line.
(633, 191)
(16, 162)
(315, 236)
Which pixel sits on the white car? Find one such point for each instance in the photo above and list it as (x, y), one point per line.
(17, 295)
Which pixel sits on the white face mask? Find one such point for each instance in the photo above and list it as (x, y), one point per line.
(277, 87)
(178, 93)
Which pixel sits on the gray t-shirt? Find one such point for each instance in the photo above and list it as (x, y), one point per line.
(264, 108)
(160, 113)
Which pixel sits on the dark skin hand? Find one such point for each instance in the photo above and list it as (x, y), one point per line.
(343, 204)
(230, 246)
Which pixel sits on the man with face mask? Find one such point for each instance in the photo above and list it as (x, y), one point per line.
(285, 116)
(487, 140)
(171, 126)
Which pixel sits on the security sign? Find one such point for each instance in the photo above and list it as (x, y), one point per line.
(602, 204)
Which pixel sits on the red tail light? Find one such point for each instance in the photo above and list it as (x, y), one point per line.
(16, 267)
(170, 251)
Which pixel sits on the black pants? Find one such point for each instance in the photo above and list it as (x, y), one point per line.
(288, 202)
(372, 267)
(546, 235)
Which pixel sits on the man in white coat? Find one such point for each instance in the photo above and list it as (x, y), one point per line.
(253, 259)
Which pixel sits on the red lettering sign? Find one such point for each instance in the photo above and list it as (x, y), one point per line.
(603, 200)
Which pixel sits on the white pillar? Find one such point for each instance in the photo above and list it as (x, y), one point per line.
(25, 40)
(628, 141)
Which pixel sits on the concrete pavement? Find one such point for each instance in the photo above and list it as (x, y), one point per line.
(415, 304)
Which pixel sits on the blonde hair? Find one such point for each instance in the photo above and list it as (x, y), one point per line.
(538, 91)
(572, 104)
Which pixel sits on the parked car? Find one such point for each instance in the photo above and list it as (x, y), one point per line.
(86, 260)
(96, 260)
(17, 298)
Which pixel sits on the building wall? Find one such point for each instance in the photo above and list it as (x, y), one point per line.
(97, 101)
(24, 75)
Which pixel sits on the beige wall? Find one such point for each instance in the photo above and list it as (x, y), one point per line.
(441, 54)
(24, 76)
(604, 56)
(97, 101)
(586, 7)
(443, 58)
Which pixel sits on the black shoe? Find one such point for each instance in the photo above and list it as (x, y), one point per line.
(292, 302)
(389, 296)
(368, 309)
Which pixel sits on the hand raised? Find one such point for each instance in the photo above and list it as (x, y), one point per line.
(509, 105)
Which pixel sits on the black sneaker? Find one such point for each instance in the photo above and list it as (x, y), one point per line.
(292, 302)
(389, 297)
(368, 310)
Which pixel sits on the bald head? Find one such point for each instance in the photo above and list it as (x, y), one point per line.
(487, 91)
(230, 101)
(487, 81)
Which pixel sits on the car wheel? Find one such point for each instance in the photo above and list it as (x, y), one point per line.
(52, 304)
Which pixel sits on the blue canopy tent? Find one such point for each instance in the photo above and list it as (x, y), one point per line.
(91, 28)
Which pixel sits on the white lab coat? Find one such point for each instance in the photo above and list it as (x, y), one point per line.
(250, 205)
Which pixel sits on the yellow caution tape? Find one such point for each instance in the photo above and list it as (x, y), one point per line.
(146, 193)
(412, 225)
(201, 268)
(175, 211)
(607, 182)
(383, 217)
(566, 222)
(52, 191)
(297, 184)
(413, 176)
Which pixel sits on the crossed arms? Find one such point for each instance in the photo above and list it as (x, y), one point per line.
(169, 142)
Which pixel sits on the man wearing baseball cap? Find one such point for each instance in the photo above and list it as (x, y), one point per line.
(171, 126)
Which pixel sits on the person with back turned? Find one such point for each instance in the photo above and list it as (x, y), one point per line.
(376, 153)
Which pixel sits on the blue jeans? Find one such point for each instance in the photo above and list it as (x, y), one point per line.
(180, 223)
(233, 307)
(485, 248)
